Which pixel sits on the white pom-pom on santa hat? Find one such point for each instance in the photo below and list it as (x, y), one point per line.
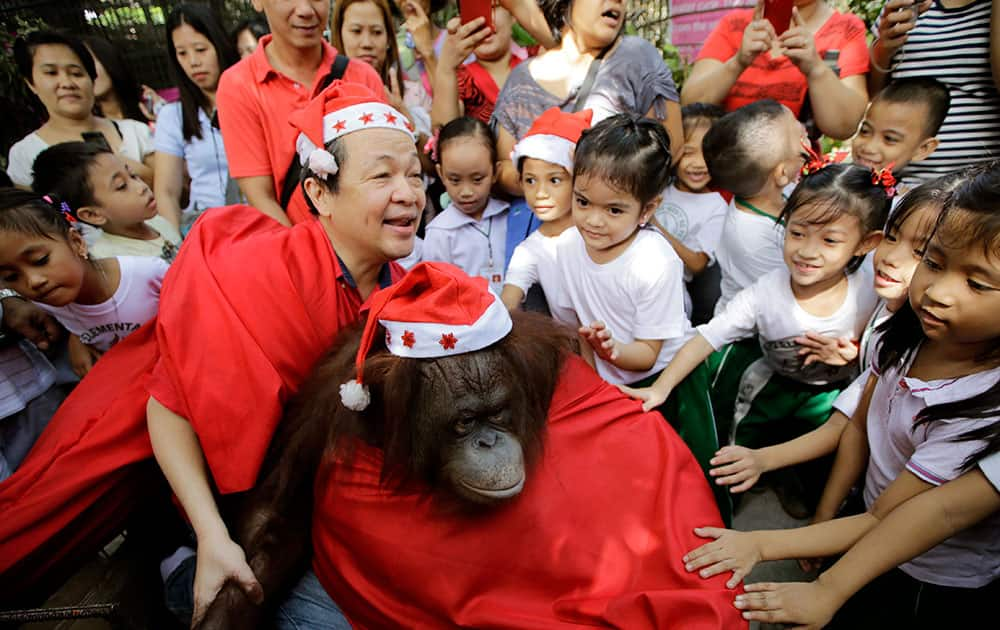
(354, 395)
(436, 310)
(340, 109)
(553, 137)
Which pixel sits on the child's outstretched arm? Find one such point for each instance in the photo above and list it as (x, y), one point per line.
(851, 458)
(740, 551)
(511, 296)
(637, 356)
(909, 530)
(180, 457)
(694, 261)
(740, 467)
(685, 361)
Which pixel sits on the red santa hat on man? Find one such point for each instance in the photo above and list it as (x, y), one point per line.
(553, 137)
(436, 310)
(340, 109)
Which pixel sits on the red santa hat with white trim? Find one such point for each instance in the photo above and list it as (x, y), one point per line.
(553, 137)
(435, 311)
(340, 109)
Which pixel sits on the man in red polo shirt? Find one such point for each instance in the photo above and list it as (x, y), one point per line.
(257, 95)
(247, 308)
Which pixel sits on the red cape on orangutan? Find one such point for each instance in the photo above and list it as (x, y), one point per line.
(595, 538)
(246, 309)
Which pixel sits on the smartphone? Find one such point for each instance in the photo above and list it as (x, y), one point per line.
(96, 137)
(779, 14)
(471, 9)
(914, 13)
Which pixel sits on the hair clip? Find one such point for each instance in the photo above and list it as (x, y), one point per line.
(431, 146)
(63, 207)
(884, 178)
(816, 162)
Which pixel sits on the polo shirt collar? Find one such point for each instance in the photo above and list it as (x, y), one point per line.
(384, 274)
(263, 70)
(456, 219)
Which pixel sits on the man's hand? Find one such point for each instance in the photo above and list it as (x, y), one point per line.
(220, 561)
(31, 322)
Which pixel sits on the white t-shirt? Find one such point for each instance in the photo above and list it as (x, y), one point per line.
(768, 308)
(164, 246)
(990, 466)
(849, 399)
(695, 219)
(477, 247)
(750, 246)
(134, 303)
(136, 144)
(970, 558)
(638, 295)
(534, 262)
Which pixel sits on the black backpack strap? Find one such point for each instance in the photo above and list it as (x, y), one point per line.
(291, 182)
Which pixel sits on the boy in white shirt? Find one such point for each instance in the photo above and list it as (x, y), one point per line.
(104, 193)
(690, 215)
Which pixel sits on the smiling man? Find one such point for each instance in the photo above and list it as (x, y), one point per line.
(246, 310)
(257, 95)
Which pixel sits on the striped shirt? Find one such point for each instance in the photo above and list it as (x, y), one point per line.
(953, 46)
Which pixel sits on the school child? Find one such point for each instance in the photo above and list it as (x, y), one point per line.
(44, 258)
(29, 395)
(690, 214)
(471, 233)
(620, 278)
(544, 161)
(932, 415)
(106, 195)
(900, 126)
(754, 152)
(895, 259)
(833, 220)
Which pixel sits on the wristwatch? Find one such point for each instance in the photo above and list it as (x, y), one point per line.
(6, 293)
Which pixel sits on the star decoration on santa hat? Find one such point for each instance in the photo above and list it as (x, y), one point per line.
(409, 339)
(340, 125)
(448, 341)
(366, 118)
(390, 118)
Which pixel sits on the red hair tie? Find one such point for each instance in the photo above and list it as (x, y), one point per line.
(431, 146)
(884, 178)
(816, 162)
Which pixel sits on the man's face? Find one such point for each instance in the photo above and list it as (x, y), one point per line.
(297, 23)
(376, 209)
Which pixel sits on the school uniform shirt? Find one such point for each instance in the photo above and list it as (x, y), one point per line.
(534, 262)
(970, 558)
(639, 295)
(476, 247)
(134, 303)
(990, 466)
(768, 309)
(25, 374)
(695, 219)
(750, 247)
(849, 399)
(163, 246)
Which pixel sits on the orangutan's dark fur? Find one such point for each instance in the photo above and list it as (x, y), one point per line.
(272, 523)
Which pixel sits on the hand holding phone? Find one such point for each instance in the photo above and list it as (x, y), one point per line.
(471, 9)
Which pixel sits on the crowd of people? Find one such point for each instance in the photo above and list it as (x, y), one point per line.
(820, 323)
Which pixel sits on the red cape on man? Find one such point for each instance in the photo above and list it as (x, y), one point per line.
(246, 309)
(595, 539)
